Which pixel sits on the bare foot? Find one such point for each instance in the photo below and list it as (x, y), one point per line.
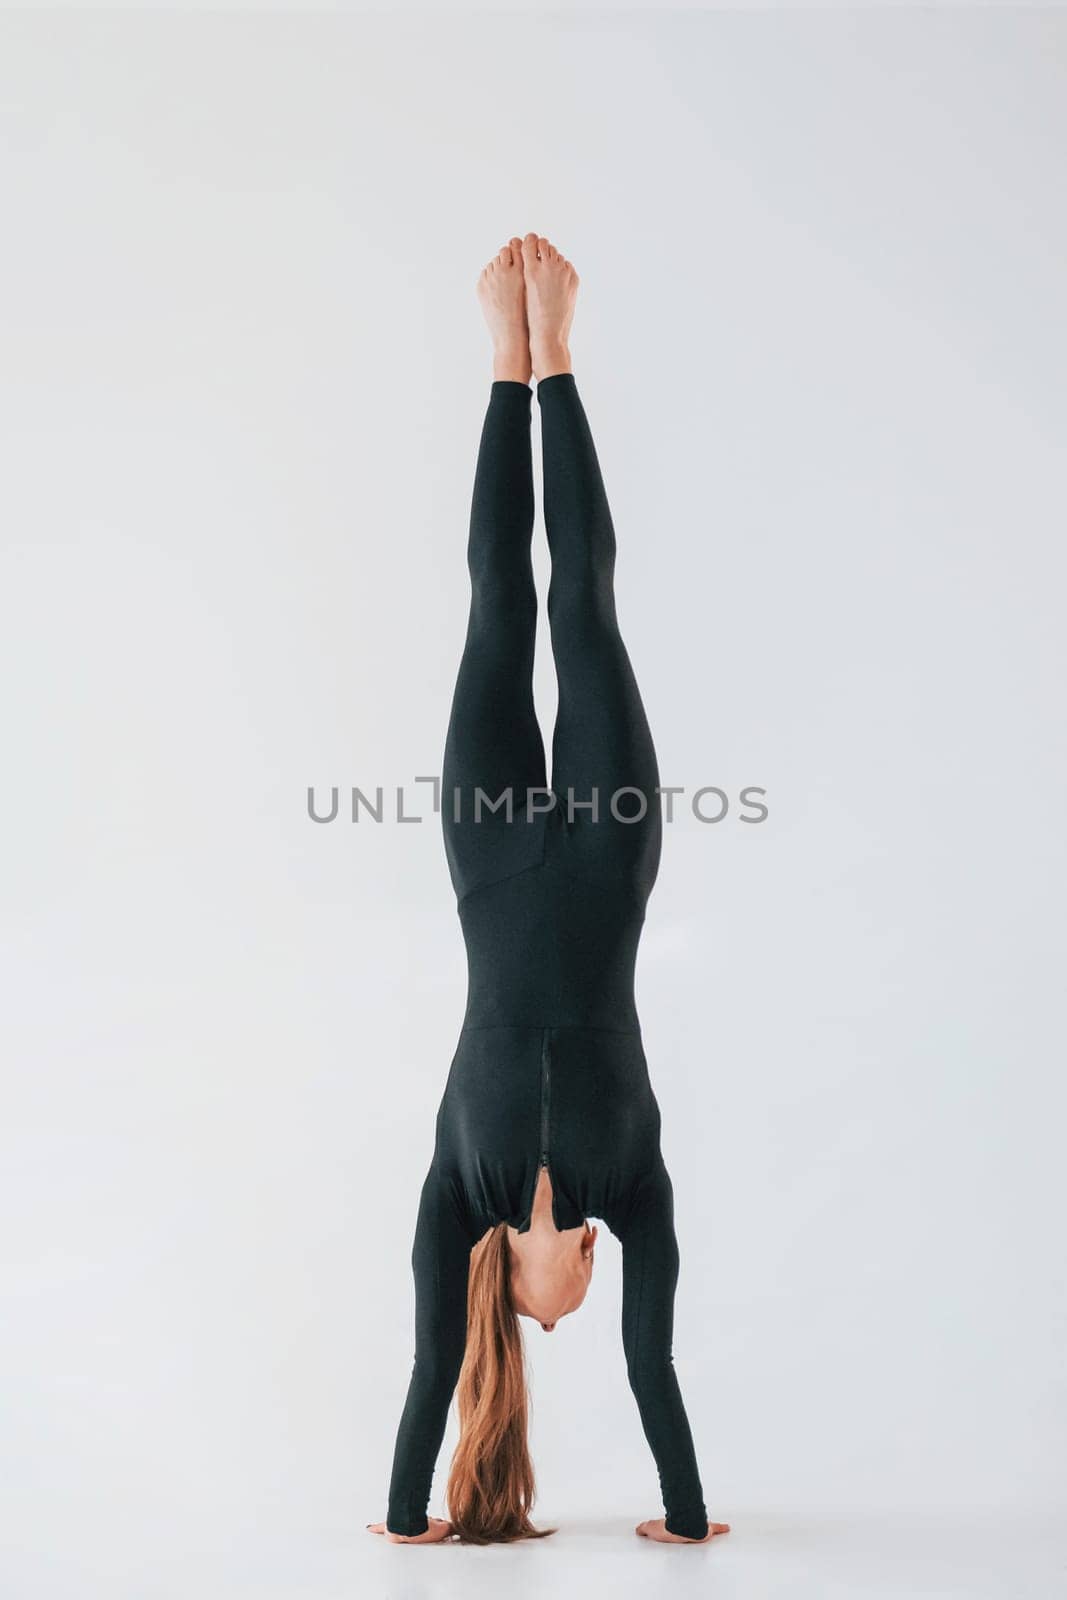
(502, 296)
(437, 1530)
(658, 1530)
(551, 292)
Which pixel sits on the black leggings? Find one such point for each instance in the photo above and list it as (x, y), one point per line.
(601, 743)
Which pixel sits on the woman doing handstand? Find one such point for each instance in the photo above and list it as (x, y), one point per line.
(548, 1116)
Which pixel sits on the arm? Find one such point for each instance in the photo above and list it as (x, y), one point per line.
(440, 1260)
(649, 1278)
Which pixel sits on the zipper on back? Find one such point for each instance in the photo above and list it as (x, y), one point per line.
(544, 1097)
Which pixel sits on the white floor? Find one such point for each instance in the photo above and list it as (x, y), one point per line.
(893, 1557)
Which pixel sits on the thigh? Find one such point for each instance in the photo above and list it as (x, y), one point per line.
(604, 770)
(494, 762)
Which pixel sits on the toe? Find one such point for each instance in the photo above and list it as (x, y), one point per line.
(529, 248)
(515, 246)
(544, 249)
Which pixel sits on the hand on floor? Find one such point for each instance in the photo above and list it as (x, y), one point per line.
(438, 1529)
(658, 1530)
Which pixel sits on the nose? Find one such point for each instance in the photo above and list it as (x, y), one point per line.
(548, 1326)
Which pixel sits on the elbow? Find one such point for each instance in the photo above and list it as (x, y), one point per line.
(646, 1374)
(437, 1368)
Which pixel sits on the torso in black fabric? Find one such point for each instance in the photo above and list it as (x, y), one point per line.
(551, 886)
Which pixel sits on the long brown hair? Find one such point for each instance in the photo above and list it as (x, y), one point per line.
(491, 1479)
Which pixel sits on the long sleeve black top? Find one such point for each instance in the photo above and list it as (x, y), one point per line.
(571, 1092)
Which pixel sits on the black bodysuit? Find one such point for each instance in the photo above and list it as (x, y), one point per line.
(549, 1068)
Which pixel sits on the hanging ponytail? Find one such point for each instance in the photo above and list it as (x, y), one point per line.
(491, 1479)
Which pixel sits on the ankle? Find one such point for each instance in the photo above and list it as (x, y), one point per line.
(550, 357)
(511, 363)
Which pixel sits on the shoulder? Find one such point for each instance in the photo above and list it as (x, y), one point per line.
(650, 1194)
(455, 1204)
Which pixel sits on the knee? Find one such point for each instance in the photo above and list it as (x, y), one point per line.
(581, 596)
(497, 590)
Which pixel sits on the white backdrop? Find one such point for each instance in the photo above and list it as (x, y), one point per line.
(821, 342)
